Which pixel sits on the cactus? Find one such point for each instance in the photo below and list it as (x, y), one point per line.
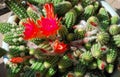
(79, 70)
(51, 61)
(13, 39)
(89, 11)
(57, 1)
(96, 5)
(32, 14)
(17, 8)
(85, 3)
(117, 40)
(95, 50)
(102, 37)
(111, 55)
(114, 29)
(87, 56)
(79, 9)
(114, 20)
(51, 71)
(101, 64)
(77, 53)
(38, 1)
(6, 27)
(103, 18)
(63, 32)
(110, 68)
(70, 18)
(37, 41)
(70, 37)
(62, 7)
(93, 65)
(80, 32)
(74, 2)
(65, 62)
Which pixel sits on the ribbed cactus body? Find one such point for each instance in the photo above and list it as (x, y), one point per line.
(117, 40)
(89, 11)
(17, 8)
(102, 37)
(95, 50)
(114, 29)
(111, 55)
(51, 61)
(62, 7)
(39, 1)
(110, 68)
(65, 62)
(79, 70)
(114, 20)
(63, 32)
(86, 3)
(96, 5)
(103, 18)
(79, 9)
(70, 18)
(57, 1)
(51, 71)
(101, 64)
(37, 41)
(32, 14)
(87, 56)
(6, 27)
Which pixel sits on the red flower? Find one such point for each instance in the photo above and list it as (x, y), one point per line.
(49, 25)
(17, 60)
(59, 47)
(31, 29)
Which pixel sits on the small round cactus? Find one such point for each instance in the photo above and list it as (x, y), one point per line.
(87, 56)
(110, 68)
(114, 20)
(114, 29)
(117, 40)
(102, 37)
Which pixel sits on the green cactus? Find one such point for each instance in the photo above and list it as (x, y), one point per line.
(89, 11)
(70, 18)
(101, 64)
(51, 71)
(102, 37)
(110, 68)
(80, 70)
(51, 61)
(65, 62)
(32, 14)
(87, 56)
(103, 17)
(70, 37)
(80, 32)
(114, 29)
(6, 27)
(85, 3)
(95, 50)
(57, 1)
(37, 41)
(62, 7)
(93, 65)
(116, 38)
(79, 9)
(96, 5)
(114, 20)
(63, 32)
(111, 55)
(74, 2)
(39, 1)
(17, 8)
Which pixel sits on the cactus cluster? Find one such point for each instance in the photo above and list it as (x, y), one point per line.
(61, 38)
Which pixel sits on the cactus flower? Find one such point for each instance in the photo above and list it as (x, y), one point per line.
(17, 60)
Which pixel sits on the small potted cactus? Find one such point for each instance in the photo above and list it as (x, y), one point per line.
(61, 38)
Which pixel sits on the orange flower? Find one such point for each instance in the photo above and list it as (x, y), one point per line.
(17, 60)
(49, 25)
(59, 47)
(31, 29)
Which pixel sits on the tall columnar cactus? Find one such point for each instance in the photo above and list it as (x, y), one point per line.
(70, 18)
(63, 32)
(111, 55)
(79, 70)
(64, 63)
(114, 29)
(89, 11)
(114, 20)
(17, 8)
(102, 37)
(32, 14)
(63, 7)
(117, 40)
(87, 56)
(6, 27)
(103, 18)
(96, 51)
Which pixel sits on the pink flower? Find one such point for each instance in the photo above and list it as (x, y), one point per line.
(49, 25)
